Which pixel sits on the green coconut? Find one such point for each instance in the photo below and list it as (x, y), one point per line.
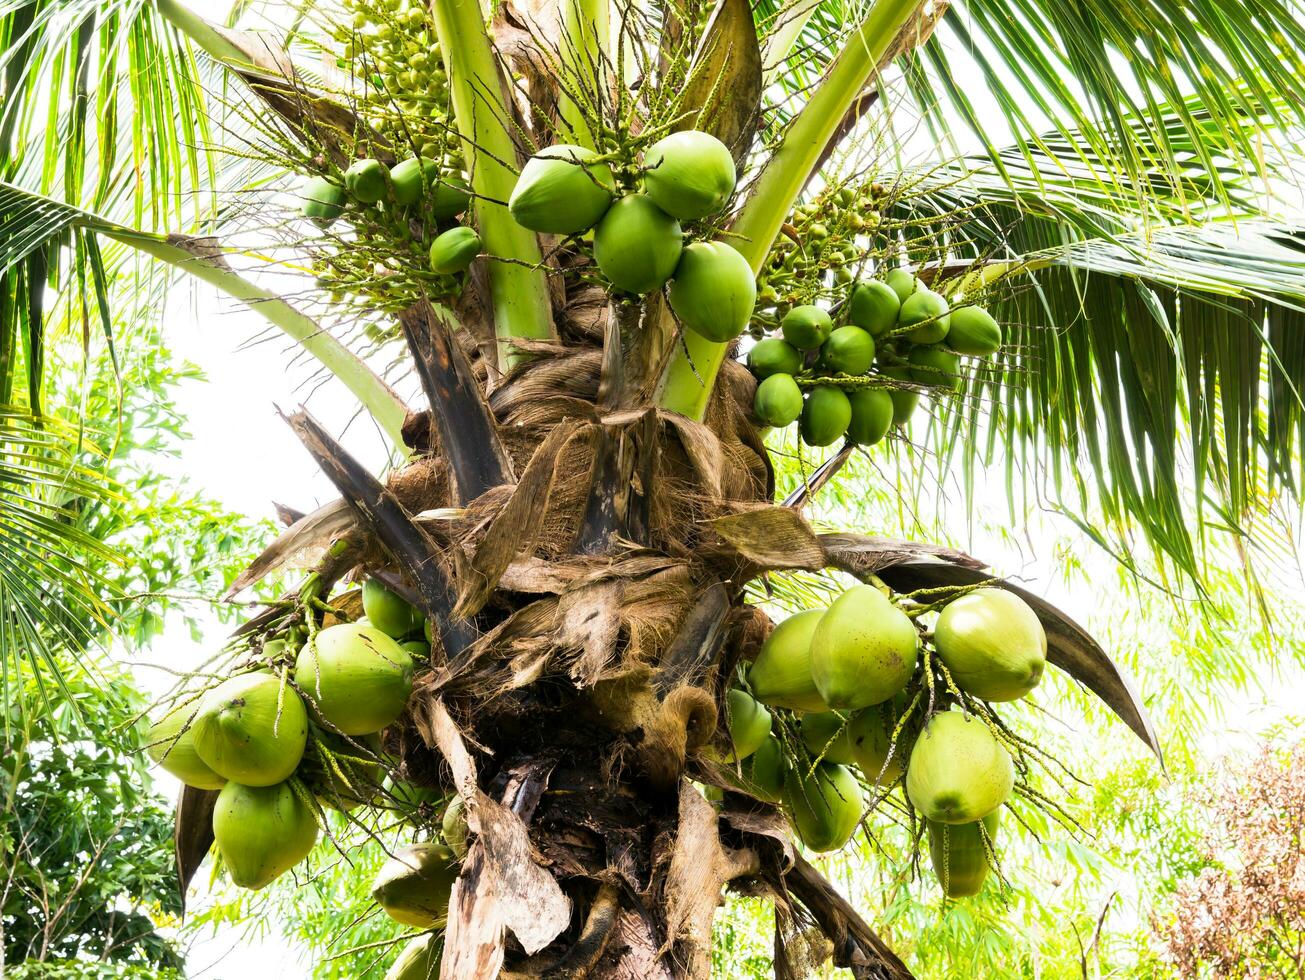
(781, 674)
(958, 771)
(453, 827)
(262, 831)
(874, 306)
(689, 174)
(870, 731)
(827, 735)
(806, 327)
(322, 201)
(251, 729)
(992, 643)
(849, 350)
(171, 744)
(417, 649)
(825, 416)
(410, 177)
(904, 399)
(863, 650)
(778, 401)
(825, 805)
(416, 804)
(413, 886)
(935, 366)
(872, 415)
(973, 331)
(927, 312)
(388, 611)
(560, 192)
(713, 291)
(453, 251)
(774, 356)
(764, 770)
(343, 773)
(357, 677)
(419, 960)
(365, 181)
(959, 857)
(749, 722)
(902, 283)
(637, 245)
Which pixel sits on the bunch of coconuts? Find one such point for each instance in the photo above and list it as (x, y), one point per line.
(638, 234)
(895, 329)
(850, 699)
(299, 731)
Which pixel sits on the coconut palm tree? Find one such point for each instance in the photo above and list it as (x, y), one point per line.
(584, 507)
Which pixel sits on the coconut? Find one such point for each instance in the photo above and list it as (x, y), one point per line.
(849, 350)
(935, 366)
(959, 856)
(560, 192)
(902, 283)
(874, 306)
(454, 250)
(825, 416)
(749, 723)
(806, 327)
(262, 831)
(419, 960)
(689, 174)
(904, 399)
(252, 729)
(973, 331)
(637, 245)
(781, 674)
(927, 312)
(992, 643)
(870, 731)
(825, 806)
(863, 650)
(343, 773)
(764, 770)
(365, 181)
(827, 736)
(778, 401)
(171, 744)
(774, 356)
(958, 771)
(453, 827)
(322, 201)
(413, 886)
(872, 415)
(416, 804)
(713, 291)
(357, 677)
(387, 611)
(418, 649)
(410, 177)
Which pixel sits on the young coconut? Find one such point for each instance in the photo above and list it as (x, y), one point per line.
(825, 806)
(322, 201)
(872, 415)
(454, 250)
(904, 399)
(420, 959)
(453, 827)
(874, 306)
(935, 366)
(773, 356)
(749, 723)
(958, 772)
(561, 192)
(262, 831)
(365, 181)
(958, 854)
(713, 291)
(764, 771)
(689, 174)
(413, 886)
(849, 350)
(927, 312)
(825, 416)
(251, 729)
(781, 674)
(806, 327)
(342, 775)
(357, 677)
(863, 650)
(870, 731)
(993, 644)
(387, 611)
(828, 736)
(973, 331)
(778, 401)
(171, 744)
(637, 245)
(902, 283)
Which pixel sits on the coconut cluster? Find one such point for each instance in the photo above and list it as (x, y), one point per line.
(861, 698)
(838, 377)
(639, 237)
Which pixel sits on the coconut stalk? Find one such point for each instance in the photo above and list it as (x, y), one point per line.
(687, 382)
(517, 284)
